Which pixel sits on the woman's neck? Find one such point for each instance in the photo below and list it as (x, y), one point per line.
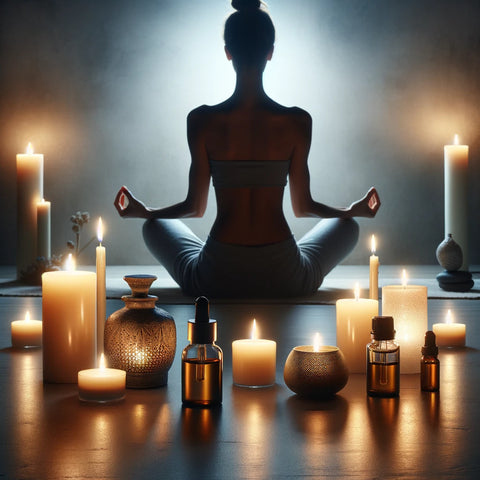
(249, 86)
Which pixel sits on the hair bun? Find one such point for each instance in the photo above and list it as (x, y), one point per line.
(246, 4)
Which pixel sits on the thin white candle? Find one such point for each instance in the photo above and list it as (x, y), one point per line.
(101, 288)
(456, 195)
(373, 294)
(43, 229)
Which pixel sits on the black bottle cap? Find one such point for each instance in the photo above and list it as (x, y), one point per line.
(430, 347)
(382, 328)
(202, 329)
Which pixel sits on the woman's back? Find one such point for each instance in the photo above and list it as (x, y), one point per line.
(249, 136)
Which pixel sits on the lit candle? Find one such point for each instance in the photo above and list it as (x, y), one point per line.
(373, 271)
(68, 307)
(101, 384)
(407, 304)
(315, 371)
(26, 333)
(254, 361)
(29, 193)
(43, 229)
(354, 322)
(450, 334)
(101, 288)
(456, 195)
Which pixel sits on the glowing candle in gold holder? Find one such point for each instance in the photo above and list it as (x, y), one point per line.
(315, 371)
(141, 338)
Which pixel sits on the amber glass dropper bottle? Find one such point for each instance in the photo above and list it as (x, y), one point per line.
(430, 365)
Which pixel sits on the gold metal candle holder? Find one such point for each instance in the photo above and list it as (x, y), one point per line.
(141, 338)
(315, 374)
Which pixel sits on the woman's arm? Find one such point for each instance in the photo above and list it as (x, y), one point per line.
(299, 178)
(195, 202)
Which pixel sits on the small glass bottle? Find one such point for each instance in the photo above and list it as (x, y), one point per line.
(202, 360)
(430, 365)
(383, 360)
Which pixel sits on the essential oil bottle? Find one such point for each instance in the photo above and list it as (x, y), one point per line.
(202, 360)
(430, 365)
(383, 359)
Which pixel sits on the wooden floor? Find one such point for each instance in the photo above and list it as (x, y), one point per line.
(45, 432)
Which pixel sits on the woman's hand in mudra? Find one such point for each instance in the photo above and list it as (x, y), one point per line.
(366, 206)
(128, 206)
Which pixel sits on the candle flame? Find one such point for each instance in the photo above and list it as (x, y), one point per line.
(101, 364)
(449, 317)
(373, 244)
(29, 149)
(70, 263)
(254, 335)
(404, 277)
(356, 291)
(455, 139)
(27, 316)
(100, 230)
(316, 342)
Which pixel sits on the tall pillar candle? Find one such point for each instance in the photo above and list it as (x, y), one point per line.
(456, 195)
(407, 304)
(68, 309)
(354, 323)
(373, 283)
(29, 193)
(44, 229)
(101, 289)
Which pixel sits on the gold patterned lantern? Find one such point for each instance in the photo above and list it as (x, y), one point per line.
(141, 338)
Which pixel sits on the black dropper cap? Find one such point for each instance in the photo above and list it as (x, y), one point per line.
(382, 328)
(430, 347)
(202, 329)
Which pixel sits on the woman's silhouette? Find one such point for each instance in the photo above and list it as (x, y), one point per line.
(249, 145)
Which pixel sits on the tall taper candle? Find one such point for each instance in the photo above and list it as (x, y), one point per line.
(101, 288)
(29, 193)
(43, 229)
(456, 195)
(373, 294)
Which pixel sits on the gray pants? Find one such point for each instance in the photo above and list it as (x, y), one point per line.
(283, 269)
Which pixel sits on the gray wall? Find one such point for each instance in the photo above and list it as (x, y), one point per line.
(102, 88)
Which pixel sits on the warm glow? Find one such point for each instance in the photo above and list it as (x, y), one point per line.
(404, 277)
(449, 317)
(356, 291)
(316, 342)
(100, 230)
(455, 139)
(27, 316)
(29, 149)
(373, 244)
(102, 362)
(70, 263)
(254, 334)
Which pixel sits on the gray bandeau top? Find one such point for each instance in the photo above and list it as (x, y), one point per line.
(249, 173)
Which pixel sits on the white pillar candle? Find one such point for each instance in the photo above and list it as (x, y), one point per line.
(254, 361)
(101, 385)
(450, 334)
(29, 193)
(68, 307)
(373, 294)
(408, 306)
(456, 195)
(354, 323)
(26, 333)
(101, 288)
(44, 242)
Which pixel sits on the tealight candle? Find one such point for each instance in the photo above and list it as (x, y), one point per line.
(450, 334)
(407, 304)
(26, 333)
(101, 385)
(373, 294)
(354, 322)
(315, 371)
(101, 288)
(254, 361)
